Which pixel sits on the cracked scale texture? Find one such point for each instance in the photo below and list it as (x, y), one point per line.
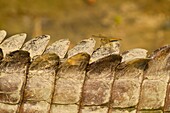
(36, 46)
(155, 82)
(126, 87)
(134, 54)
(86, 45)
(13, 43)
(13, 69)
(97, 86)
(68, 86)
(59, 47)
(136, 85)
(40, 84)
(105, 50)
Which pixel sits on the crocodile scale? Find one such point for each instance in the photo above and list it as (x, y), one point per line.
(39, 78)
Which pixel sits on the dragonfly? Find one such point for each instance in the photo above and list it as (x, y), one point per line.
(106, 39)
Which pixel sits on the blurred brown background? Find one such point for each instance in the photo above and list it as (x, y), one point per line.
(140, 23)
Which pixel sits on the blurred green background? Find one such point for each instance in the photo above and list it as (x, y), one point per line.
(140, 23)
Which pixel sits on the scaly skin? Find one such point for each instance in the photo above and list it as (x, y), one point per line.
(46, 83)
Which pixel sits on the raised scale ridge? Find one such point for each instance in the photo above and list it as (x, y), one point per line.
(39, 78)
